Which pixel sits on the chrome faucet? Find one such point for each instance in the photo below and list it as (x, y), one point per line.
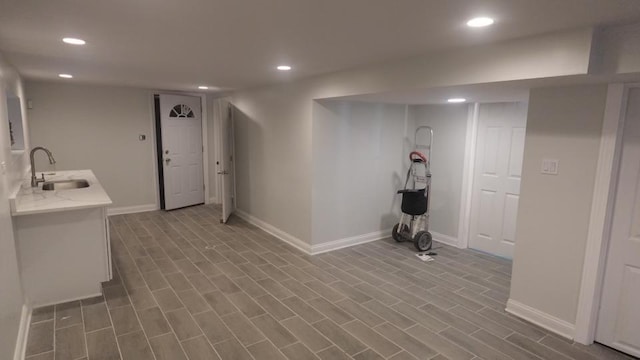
(34, 180)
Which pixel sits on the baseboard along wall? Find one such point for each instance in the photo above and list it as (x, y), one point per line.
(542, 319)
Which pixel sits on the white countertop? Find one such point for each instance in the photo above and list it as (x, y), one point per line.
(30, 200)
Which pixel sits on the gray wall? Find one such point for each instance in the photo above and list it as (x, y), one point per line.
(563, 123)
(273, 157)
(274, 123)
(358, 165)
(449, 123)
(15, 166)
(97, 127)
(617, 50)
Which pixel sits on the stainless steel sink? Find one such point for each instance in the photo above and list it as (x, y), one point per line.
(65, 184)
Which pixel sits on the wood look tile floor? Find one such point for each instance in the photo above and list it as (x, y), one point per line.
(186, 287)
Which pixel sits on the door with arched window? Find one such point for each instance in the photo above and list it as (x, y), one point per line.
(181, 167)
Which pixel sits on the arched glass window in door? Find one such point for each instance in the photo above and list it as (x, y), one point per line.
(181, 111)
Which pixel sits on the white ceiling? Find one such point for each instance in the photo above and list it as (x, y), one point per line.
(237, 43)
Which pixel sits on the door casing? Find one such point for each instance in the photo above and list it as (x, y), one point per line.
(505, 180)
(624, 246)
(601, 212)
(210, 196)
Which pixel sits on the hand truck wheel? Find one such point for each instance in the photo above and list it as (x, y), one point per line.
(394, 233)
(397, 235)
(422, 240)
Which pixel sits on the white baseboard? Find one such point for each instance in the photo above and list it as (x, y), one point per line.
(541, 319)
(445, 239)
(23, 333)
(350, 241)
(284, 236)
(319, 248)
(131, 209)
(75, 298)
(213, 200)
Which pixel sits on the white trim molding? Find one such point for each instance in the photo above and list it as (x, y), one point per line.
(471, 137)
(601, 212)
(131, 209)
(544, 320)
(23, 333)
(204, 118)
(76, 298)
(350, 241)
(270, 229)
(313, 249)
(445, 239)
(334, 244)
(154, 151)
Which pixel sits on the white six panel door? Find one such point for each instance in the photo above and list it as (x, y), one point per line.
(181, 122)
(619, 318)
(496, 183)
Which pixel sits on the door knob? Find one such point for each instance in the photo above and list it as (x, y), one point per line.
(167, 161)
(223, 172)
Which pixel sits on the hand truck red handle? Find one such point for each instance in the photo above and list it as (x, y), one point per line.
(415, 155)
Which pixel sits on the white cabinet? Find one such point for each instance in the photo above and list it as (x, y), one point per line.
(63, 255)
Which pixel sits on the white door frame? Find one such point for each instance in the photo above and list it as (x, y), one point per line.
(205, 149)
(471, 139)
(601, 212)
(469, 175)
(205, 153)
(218, 136)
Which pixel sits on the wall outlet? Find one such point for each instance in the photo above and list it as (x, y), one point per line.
(550, 166)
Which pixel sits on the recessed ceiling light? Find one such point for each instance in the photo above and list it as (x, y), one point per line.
(456, 100)
(74, 41)
(284, 68)
(202, 87)
(66, 76)
(480, 22)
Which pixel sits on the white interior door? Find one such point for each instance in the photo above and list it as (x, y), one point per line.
(496, 183)
(226, 173)
(619, 317)
(181, 123)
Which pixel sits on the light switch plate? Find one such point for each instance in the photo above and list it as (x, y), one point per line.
(550, 166)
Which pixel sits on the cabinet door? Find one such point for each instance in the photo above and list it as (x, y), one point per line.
(63, 255)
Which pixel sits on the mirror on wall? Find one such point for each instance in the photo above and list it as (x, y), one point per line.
(16, 132)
